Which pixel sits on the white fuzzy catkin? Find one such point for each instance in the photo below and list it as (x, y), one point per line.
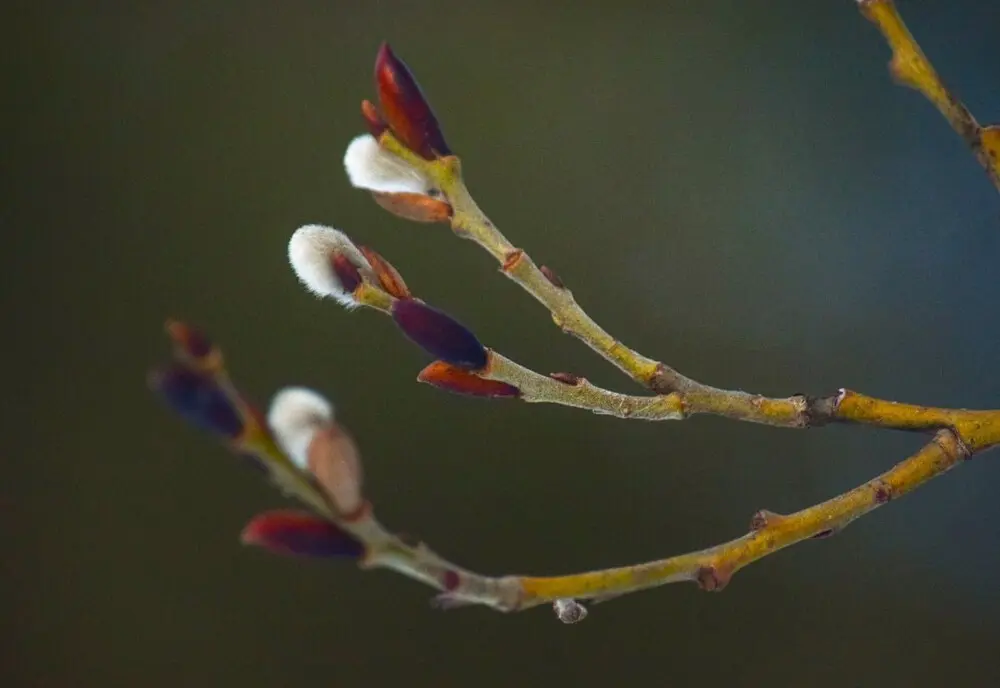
(369, 166)
(295, 415)
(310, 251)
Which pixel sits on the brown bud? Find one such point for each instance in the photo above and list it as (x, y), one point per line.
(414, 206)
(566, 378)
(454, 379)
(388, 276)
(373, 120)
(334, 461)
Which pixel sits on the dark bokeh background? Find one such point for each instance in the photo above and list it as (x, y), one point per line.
(736, 187)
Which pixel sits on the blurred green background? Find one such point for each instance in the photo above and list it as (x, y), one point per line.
(734, 187)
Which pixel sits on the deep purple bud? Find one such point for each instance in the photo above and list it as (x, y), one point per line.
(298, 533)
(439, 334)
(198, 399)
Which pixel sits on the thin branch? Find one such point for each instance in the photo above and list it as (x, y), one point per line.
(470, 222)
(198, 386)
(710, 568)
(911, 68)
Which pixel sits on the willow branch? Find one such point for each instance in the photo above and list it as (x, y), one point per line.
(910, 67)
(678, 396)
(711, 568)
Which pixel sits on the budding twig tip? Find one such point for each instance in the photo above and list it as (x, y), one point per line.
(327, 262)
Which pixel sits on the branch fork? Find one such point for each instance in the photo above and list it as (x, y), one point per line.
(405, 162)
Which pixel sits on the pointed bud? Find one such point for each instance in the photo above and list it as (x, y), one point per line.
(566, 378)
(334, 461)
(299, 533)
(295, 415)
(197, 397)
(370, 166)
(387, 275)
(327, 262)
(460, 381)
(439, 334)
(193, 347)
(406, 109)
(415, 207)
(373, 120)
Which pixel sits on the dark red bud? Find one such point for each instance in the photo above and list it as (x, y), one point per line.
(376, 125)
(347, 272)
(414, 206)
(460, 381)
(406, 110)
(388, 276)
(439, 334)
(197, 397)
(298, 533)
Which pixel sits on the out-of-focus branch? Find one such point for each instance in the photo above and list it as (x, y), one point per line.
(911, 67)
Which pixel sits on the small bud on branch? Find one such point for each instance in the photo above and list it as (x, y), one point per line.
(328, 263)
(405, 108)
(296, 413)
(460, 381)
(387, 275)
(299, 533)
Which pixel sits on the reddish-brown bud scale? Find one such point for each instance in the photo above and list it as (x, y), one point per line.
(334, 461)
(298, 533)
(388, 276)
(414, 206)
(439, 334)
(376, 125)
(460, 381)
(566, 378)
(346, 271)
(405, 108)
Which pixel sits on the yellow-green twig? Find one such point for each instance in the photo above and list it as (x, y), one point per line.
(911, 67)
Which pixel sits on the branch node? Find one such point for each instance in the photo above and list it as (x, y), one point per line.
(713, 578)
(763, 519)
(883, 491)
(511, 260)
(821, 410)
